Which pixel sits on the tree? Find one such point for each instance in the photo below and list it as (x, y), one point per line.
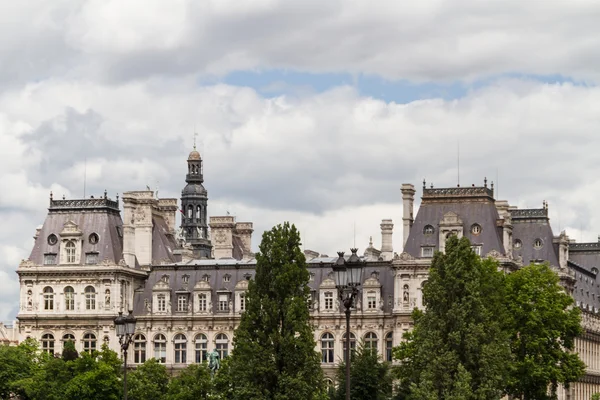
(543, 327)
(95, 376)
(194, 382)
(459, 347)
(370, 378)
(148, 381)
(274, 348)
(69, 352)
(16, 363)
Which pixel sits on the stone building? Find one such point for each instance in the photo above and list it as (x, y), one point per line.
(187, 286)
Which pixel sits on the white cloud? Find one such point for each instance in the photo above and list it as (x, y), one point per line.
(425, 40)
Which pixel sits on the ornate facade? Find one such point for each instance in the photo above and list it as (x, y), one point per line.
(187, 286)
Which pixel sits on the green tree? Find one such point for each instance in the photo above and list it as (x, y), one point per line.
(459, 347)
(193, 383)
(223, 382)
(274, 348)
(69, 352)
(370, 378)
(543, 327)
(16, 363)
(95, 376)
(148, 381)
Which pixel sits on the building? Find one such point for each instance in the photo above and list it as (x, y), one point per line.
(187, 286)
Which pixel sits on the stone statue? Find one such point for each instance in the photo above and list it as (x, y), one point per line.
(107, 299)
(406, 296)
(213, 362)
(29, 301)
(148, 306)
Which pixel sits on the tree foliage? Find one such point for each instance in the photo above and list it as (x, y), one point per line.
(543, 327)
(194, 382)
(458, 348)
(274, 349)
(148, 381)
(16, 363)
(370, 378)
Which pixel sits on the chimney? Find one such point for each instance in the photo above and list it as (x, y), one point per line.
(563, 249)
(168, 209)
(507, 228)
(408, 198)
(244, 231)
(387, 249)
(222, 236)
(137, 227)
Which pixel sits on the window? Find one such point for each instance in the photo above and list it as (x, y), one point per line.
(198, 212)
(476, 249)
(352, 344)
(93, 238)
(180, 348)
(222, 345)
(89, 342)
(139, 349)
(475, 229)
(518, 244)
(242, 301)
(90, 298)
(327, 348)
(371, 341)
(69, 298)
(329, 300)
(538, 244)
(160, 348)
(161, 303)
(223, 302)
(50, 259)
(226, 278)
(68, 337)
(427, 251)
(389, 345)
(48, 343)
(190, 211)
(48, 298)
(202, 302)
(201, 348)
(185, 278)
(428, 230)
(52, 239)
(182, 302)
(205, 278)
(91, 258)
(371, 300)
(70, 251)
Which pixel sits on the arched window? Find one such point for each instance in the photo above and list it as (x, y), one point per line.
(389, 345)
(327, 343)
(371, 341)
(222, 345)
(89, 342)
(48, 343)
(180, 348)
(160, 348)
(201, 348)
(202, 302)
(68, 337)
(190, 211)
(198, 212)
(352, 344)
(69, 298)
(90, 298)
(139, 349)
(70, 250)
(48, 298)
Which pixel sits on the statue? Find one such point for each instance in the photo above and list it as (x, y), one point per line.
(29, 301)
(213, 362)
(107, 299)
(406, 296)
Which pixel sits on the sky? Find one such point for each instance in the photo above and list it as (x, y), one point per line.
(306, 111)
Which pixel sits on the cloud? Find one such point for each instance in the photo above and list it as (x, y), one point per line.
(123, 41)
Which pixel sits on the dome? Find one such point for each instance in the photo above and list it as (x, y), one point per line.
(193, 188)
(194, 156)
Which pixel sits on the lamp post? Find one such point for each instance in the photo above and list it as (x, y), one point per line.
(125, 327)
(348, 274)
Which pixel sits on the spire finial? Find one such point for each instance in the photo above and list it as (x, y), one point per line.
(485, 182)
(195, 134)
(424, 183)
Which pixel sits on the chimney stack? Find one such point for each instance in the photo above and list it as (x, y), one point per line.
(408, 198)
(387, 249)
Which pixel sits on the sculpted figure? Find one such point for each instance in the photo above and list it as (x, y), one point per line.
(213, 362)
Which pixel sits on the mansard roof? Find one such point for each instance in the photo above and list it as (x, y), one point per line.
(530, 225)
(100, 216)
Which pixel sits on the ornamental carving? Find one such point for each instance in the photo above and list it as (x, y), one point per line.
(404, 256)
(26, 264)
(220, 237)
(495, 254)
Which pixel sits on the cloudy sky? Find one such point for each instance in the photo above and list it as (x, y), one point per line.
(309, 111)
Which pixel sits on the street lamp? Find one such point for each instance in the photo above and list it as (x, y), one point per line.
(348, 274)
(125, 328)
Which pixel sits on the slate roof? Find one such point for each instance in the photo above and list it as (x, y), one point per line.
(529, 225)
(100, 216)
(584, 260)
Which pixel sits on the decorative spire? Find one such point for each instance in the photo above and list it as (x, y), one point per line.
(424, 183)
(195, 134)
(485, 182)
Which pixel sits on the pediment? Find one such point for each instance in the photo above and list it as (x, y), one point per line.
(327, 283)
(372, 282)
(202, 285)
(242, 285)
(451, 218)
(70, 228)
(161, 285)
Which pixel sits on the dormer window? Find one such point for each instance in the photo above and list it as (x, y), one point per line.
(227, 278)
(476, 249)
(427, 251)
(70, 252)
(428, 230)
(93, 238)
(50, 259)
(475, 229)
(518, 244)
(538, 244)
(185, 278)
(52, 239)
(329, 300)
